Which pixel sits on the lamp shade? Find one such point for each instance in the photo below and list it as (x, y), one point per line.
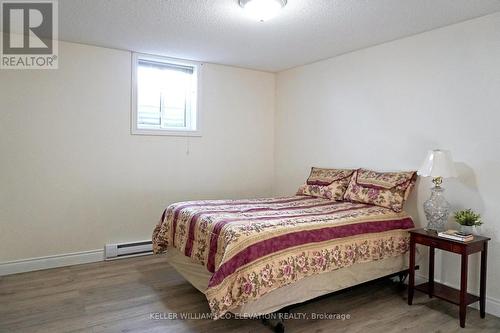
(438, 163)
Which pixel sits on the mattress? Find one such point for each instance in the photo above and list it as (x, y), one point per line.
(298, 292)
(250, 248)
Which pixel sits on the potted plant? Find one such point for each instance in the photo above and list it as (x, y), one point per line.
(468, 220)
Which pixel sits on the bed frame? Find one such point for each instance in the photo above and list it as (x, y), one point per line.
(278, 325)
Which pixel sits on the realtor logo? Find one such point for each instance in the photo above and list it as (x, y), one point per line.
(29, 38)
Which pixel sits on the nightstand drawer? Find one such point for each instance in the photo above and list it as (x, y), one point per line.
(438, 244)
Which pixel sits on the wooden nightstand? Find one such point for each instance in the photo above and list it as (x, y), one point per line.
(460, 297)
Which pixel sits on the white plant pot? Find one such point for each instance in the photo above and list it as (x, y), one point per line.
(470, 229)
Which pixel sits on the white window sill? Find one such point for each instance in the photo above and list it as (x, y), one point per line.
(159, 132)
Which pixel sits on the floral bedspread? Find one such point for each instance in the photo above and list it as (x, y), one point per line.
(255, 246)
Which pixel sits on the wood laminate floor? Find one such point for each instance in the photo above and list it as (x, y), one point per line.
(120, 296)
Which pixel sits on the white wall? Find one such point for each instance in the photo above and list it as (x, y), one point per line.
(385, 106)
(73, 178)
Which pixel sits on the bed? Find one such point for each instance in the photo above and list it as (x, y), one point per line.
(253, 257)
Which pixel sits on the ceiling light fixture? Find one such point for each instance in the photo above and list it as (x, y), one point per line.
(262, 10)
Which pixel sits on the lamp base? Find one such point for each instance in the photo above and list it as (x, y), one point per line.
(437, 210)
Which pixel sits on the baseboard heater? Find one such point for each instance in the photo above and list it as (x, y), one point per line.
(127, 250)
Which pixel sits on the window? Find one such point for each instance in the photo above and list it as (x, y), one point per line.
(164, 96)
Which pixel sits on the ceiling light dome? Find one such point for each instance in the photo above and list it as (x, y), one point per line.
(262, 10)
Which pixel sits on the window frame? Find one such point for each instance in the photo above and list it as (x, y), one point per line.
(134, 100)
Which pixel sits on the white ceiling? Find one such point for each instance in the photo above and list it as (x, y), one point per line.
(218, 31)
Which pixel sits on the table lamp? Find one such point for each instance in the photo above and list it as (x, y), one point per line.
(438, 164)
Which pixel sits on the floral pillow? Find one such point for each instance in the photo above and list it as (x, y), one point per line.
(326, 183)
(385, 189)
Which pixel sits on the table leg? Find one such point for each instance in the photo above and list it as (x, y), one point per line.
(463, 289)
(411, 280)
(482, 287)
(431, 271)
